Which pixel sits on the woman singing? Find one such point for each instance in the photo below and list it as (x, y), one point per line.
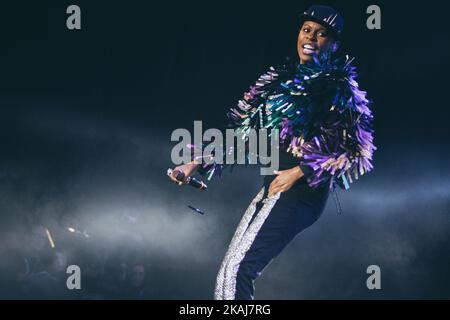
(326, 139)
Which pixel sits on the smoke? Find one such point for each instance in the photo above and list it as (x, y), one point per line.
(396, 218)
(108, 183)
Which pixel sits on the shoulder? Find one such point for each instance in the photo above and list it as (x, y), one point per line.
(342, 75)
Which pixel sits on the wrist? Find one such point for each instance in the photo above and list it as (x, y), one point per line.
(297, 172)
(193, 166)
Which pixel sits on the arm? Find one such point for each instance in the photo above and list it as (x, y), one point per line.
(343, 149)
(340, 148)
(247, 114)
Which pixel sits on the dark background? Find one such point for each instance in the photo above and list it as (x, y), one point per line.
(85, 124)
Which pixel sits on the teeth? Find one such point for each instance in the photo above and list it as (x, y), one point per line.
(308, 46)
(308, 51)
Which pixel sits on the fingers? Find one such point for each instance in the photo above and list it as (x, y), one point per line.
(271, 194)
(274, 188)
(278, 186)
(271, 187)
(178, 182)
(175, 180)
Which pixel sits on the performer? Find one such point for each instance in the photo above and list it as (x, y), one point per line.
(326, 139)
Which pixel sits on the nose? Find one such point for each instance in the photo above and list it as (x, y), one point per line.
(312, 37)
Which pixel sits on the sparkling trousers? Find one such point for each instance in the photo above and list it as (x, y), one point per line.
(268, 225)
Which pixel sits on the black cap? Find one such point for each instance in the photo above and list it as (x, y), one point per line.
(326, 16)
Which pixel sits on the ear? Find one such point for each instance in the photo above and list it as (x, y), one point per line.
(336, 46)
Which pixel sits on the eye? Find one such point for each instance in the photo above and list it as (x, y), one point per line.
(323, 34)
(306, 30)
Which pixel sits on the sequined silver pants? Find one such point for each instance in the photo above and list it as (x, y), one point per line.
(266, 228)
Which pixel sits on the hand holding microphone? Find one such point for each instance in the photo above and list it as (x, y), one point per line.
(178, 175)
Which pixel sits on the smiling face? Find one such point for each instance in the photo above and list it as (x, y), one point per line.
(314, 39)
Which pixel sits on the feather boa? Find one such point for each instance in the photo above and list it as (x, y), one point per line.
(323, 118)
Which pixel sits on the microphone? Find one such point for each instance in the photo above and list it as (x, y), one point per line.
(193, 182)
